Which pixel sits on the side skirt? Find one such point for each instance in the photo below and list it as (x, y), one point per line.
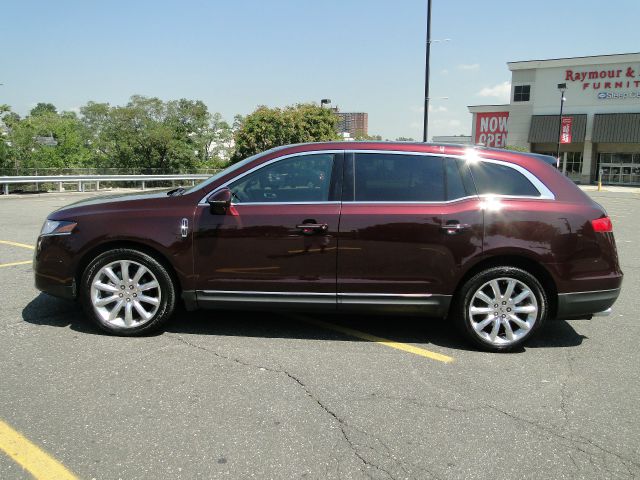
(424, 304)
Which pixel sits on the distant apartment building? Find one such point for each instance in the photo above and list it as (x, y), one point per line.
(353, 123)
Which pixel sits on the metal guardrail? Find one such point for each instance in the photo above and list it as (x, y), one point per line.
(82, 180)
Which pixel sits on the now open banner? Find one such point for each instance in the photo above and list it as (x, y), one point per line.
(491, 129)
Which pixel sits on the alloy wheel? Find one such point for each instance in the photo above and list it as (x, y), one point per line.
(125, 294)
(503, 311)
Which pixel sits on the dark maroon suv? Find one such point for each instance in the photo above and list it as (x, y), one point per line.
(496, 241)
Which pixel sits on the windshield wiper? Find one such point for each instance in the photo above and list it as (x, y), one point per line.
(176, 191)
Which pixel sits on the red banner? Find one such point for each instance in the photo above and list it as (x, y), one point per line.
(566, 129)
(491, 129)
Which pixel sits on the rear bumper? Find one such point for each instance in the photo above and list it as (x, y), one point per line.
(585, 304)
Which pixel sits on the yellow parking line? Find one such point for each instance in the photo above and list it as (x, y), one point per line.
(16, 244)
(13, 264)
(383, 341)
(33, 459)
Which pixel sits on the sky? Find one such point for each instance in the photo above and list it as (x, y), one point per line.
(364, 55)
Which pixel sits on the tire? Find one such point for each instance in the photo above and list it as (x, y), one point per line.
(500, 322)
(143, 304)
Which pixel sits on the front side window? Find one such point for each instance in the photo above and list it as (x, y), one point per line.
(303, 178)
(496, 179)
(521, 93)
(380, 177)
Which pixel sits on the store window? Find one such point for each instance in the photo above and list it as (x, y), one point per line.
(620, 168)
(521, 93)
(574, 163)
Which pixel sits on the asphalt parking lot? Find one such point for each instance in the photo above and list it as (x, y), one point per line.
(257, 395)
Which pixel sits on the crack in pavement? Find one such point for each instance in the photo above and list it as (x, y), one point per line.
(343, 425)
(575, 443)
(564, 394)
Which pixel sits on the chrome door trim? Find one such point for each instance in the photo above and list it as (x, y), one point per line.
(261, 297)
(316, 297)
(427, 299)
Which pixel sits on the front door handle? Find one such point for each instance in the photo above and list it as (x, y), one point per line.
(454, 227)
(312, 227)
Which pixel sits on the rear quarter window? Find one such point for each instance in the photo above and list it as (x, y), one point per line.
(496, 179)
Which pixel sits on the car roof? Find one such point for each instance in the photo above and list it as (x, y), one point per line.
(441, 148)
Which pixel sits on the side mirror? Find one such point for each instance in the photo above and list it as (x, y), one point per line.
(220, 201)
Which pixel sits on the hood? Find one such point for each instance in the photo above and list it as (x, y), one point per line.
(115, 201)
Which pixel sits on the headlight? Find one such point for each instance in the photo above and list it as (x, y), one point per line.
(54, 227)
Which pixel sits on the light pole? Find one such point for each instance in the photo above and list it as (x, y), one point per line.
(562, 87)
(426, 75)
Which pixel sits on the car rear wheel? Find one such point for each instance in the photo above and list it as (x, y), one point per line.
(127, 292)
(500, 308)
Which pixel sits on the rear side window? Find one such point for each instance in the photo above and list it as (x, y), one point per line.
(383, 177)
(453, 172)
(496, 179)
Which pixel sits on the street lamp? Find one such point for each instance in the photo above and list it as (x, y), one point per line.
(562, 87)
(324, 101)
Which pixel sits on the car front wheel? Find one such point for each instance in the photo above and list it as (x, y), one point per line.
(500, 308)
(127, 292)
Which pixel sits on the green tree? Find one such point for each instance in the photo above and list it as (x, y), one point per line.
(367, 138)
(517, 148)
(68, 148)
(43, 109)
(272, 127)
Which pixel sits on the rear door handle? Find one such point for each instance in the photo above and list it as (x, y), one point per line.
(311, 228)
(454, 227)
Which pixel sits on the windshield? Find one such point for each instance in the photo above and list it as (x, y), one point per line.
(231, 168)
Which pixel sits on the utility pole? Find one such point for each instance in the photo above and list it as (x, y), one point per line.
(426, 75)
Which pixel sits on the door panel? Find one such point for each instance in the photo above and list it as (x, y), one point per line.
(404, 249)
(280, 234)
(260, 248)
(408, 223)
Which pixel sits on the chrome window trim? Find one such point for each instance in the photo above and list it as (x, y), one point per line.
(282, 203)
(545, 193)
(203, 201)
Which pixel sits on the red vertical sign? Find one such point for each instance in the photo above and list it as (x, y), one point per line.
(491, 129)
(566, 129)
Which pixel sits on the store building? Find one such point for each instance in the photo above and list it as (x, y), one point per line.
(600, 128)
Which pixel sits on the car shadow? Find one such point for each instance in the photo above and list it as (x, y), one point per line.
(51, 311)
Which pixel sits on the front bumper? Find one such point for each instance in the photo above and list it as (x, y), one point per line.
(53, 266)
(585, 304)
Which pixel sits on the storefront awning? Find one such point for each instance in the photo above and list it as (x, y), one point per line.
(544, 128)
(616, 128)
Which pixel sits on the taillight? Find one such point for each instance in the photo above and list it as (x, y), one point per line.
(602, 225)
